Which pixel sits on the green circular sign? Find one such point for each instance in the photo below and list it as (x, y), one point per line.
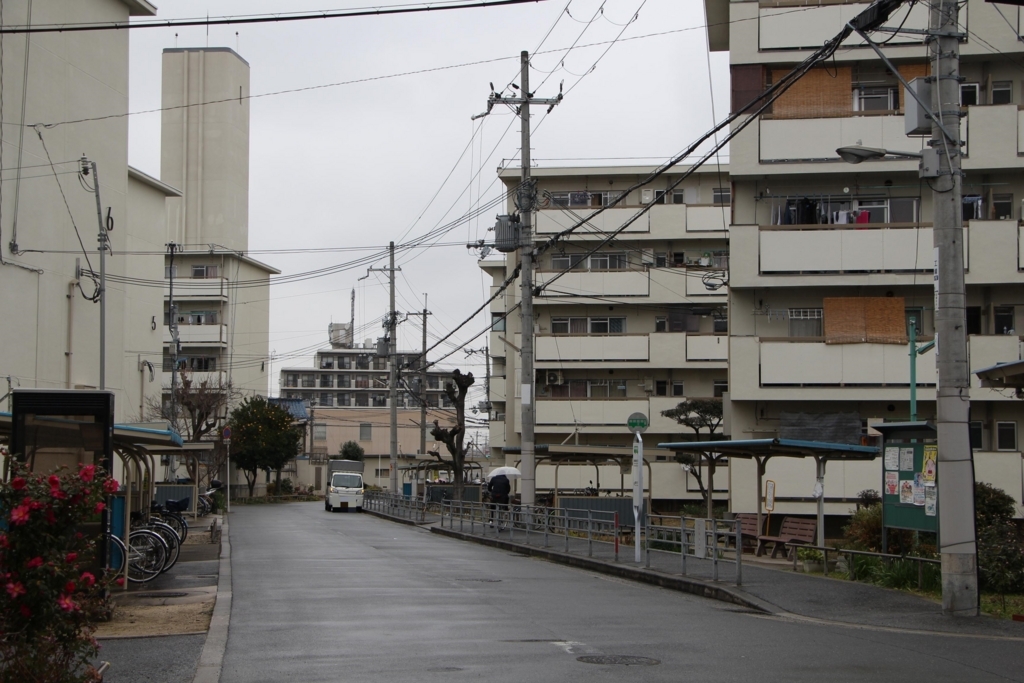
(638, 422)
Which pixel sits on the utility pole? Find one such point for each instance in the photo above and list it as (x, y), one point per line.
(525, 199)
(392, 325)
(104, 240)
(423, 383)
(956, 481)
(172, 325)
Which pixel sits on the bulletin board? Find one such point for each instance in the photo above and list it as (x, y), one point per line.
(910, 488)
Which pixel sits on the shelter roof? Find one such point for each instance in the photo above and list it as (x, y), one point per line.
(296, 407)
(1009, 375)
(791, 448)
(146, 434)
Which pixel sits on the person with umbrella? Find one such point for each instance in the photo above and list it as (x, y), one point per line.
(499, 488)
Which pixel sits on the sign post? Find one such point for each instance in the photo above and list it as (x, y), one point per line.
(769, 504)
(637, 423)
(226, 434)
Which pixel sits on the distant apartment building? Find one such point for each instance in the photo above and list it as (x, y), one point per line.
(830, 261)
(221, 295)
(639, 325)
(49, 263)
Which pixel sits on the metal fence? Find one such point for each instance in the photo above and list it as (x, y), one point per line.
(394, 505)
(696, 537)
(852, 570)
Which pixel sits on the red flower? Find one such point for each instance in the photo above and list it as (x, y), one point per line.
(70, 557)
(120, 581)
(99, 507)
(18, 483)
(54, 481)
(66, 603)
(50, 517)
(34, 562)
(88, 579)
(70, 587)
(87, 473)
(35, 505)
(111, 486)
(19, 515)
(58, 494)
(15, 589)
(25, 611)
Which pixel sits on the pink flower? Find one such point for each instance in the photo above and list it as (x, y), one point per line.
(18, 483)
(99, 507)
(54, 481)
(111, 486)
(70, 557)
(35, 505)
(70, 587)
(88, 579)
(120, 581)
(87, 473)
(66, 603)
(25, 611)
(19, 515)
(58, 494)
(34, 562)
(15, 589)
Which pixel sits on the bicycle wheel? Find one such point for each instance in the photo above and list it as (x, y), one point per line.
(116, 553)
(170, 537)
(176, 522)
(147, 553)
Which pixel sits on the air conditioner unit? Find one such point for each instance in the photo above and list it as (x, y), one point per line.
(555, 378)
(646, 195)
(647, 384)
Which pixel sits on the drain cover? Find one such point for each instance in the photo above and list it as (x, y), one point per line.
(481, 580)
(160, 595)
(625, 660)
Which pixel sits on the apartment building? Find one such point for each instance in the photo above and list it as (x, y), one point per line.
(639, 325)
(50, 338)
(831, 261)
(221, 295)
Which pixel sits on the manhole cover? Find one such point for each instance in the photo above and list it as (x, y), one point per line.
(160, 595)
(481, 580)
(625, 660)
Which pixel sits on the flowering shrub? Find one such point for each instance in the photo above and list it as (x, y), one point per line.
(51, 591)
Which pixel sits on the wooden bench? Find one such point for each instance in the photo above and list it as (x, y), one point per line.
(748, 526)
(795, 531)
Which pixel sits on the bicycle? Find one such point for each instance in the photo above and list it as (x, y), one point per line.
(146, 555)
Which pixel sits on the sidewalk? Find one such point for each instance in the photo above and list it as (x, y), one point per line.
(779, 591)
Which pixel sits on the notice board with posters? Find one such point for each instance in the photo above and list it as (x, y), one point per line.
(910, 486)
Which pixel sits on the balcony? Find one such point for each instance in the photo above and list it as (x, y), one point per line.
(816, 139)
(866, 248)
(662, 221)
(569, 348)
(653, 350)
(708, 347)
(198, 289)
(598, 416)
(780, 28)
(794, 362)
(497, 389)
(596, 282)
(992, 130)
(655, 285)
(200, 335)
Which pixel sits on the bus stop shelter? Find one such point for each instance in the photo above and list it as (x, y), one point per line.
(762, 450)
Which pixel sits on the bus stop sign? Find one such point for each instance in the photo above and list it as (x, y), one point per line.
(638, 422)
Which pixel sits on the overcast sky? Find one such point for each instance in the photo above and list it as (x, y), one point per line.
(356, 165)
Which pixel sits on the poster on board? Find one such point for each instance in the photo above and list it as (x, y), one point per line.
(892, 457)
(931, 496)
(906, 460)
(907, 492)
(892, 483)
(918, 489)
(929, 466)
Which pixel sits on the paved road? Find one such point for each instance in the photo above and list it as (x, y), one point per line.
(329, 597)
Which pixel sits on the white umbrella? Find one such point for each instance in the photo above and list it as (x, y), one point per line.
(507, 471)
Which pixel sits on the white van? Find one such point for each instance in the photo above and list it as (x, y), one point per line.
(344, 492)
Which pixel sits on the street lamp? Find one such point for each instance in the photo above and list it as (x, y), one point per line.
(854, 154)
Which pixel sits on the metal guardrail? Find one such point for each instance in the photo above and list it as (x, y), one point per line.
(852, 573)
(696, 537)
(394, 505)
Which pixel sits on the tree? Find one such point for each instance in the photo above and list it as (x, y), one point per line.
(350, 450)
(199, 406)
(262, 438)
(1000, 557)
(700, 415)
(454, 437)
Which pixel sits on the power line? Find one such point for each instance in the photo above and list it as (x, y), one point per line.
(267, 19)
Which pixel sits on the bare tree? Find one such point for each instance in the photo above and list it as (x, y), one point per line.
(700, 415)
(200, 406)
(454, 437)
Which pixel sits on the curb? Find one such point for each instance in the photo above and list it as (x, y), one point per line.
(212, 657)
(397, 520)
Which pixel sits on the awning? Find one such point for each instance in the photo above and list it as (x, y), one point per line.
(139, 434)
(1008, 375)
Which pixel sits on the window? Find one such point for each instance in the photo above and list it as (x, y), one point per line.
(362, 400)
(380, 363)
(678, 196)
(1002, 92)
(431, 400)
(903, 209)
(677, 388)
(343, 399)
(974, 320)
(362, 381)
(365, 431)
(198, 318)
(1004, 319)
(660, 260)
(608, 262)
(607, 325)
(326, 399)
(877, 209)
(1006, 436)
(661, 324)
(383, 472)
(878, 98)
(1002, 207)
(291, 380)
(566, 261)
(974, 430)
(659, 196)
(721, 196)
(497, 322)
(661, 387)
(200, 363)
(568, 326)
(344, 381)
(969, 94)
(805, 322)
(202, 272)
(308, 381)
(682, 319)
(319, 431)
(432, 382)
(721, 387)
(344, 363)
(362, 362)
(598, 388)
(575, 199)
(721, 326)
(326, 363)
(379, 400)
(326, 380)
(678, 259)
(170, 271)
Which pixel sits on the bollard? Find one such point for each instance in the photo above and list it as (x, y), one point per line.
(739, 554)
(647, 541)
(547, 514)
(682, 544)
(714, 549)
(616, 522)
(590, 533)
(824, 553)
(565, 526)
